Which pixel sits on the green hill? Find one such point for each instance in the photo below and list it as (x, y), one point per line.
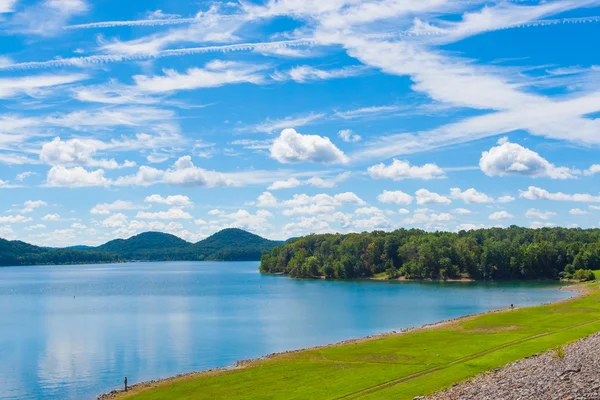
(13, 253)
(234, 245)
(227, 245)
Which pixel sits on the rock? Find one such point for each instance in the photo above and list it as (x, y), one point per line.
(574, 373)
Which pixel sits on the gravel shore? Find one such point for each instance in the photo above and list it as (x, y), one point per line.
(568, 373)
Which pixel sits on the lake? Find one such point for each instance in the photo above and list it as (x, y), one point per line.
(73, 332)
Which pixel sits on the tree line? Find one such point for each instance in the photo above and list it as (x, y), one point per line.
(484, 254)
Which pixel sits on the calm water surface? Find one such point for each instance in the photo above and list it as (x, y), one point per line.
(73, 332)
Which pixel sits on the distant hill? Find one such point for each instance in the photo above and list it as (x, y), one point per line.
(234, 245)
(145, 246)
(13, 253)
(226, 245)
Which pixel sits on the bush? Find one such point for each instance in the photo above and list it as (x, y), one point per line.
(584, 275)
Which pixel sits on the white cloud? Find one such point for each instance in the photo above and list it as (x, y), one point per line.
(115, 221)
(305, 73)
(24, 175)
(511, 159)
(319, 182)
(173, 213)
(60, 176)
(287, 184)
(118, 205)
(266, 199)
(395, 197)
(428, 220)
(506, 199)
(34, 85)
(51, 217)
(216, 212)
(7, 6)
(470, 196)
(245, 220)
(532, 213)
(595, 208)
(577, 211)
(500, 215)
(215, 73)
(47, 17)
(468, 227)
(320, 203)
(535, 193)
(14, 219)
(176, 200)
(293, 147)
(539, 225)
(403, 211)
(424, 197)
(35, 227)
(306, 225)
(77, 152)
(462, 211)
(31, 205)
(368, 211)
(593, 170)
(270, 126)
(375, 222)
(348, 135)
(399, 170)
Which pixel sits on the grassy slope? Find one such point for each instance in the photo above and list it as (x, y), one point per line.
(398, 367)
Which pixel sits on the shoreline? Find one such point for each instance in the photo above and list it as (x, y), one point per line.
(578, 290)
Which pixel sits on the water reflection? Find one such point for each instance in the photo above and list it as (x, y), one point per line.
(74, 332)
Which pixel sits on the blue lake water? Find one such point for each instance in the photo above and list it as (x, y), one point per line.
(73, 332)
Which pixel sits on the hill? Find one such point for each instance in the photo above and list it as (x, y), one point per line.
(13, 253)
(234, 245)
(226, 245)
(145, 246)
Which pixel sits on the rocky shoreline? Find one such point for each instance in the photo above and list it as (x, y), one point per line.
(570, 372)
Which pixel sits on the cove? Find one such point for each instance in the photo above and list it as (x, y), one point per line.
(73, 332)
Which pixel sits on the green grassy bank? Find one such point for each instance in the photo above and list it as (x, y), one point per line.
(395, 366)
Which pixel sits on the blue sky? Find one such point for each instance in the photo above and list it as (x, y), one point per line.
(296, 116)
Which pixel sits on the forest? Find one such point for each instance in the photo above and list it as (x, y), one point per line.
(486, 254)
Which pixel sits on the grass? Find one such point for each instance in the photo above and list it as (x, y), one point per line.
(597, 273)
(399, 367)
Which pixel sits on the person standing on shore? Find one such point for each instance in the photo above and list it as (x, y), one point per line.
(125, 382)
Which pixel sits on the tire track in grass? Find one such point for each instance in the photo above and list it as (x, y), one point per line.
(407, 378)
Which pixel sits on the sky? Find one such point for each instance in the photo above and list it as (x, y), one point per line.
(290, 117)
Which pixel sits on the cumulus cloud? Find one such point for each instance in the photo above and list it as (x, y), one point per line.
(14, 219)
(293, 147)
(287, 184)
(500, 215)
(577, 211)
(30, 205)
(348, 135)
(320, 203)
(470, 196)
(51, 217)
(424, 197)
(115, 221)
(536, 193)
(395, 197)
(532, 213)
(266, 199)
(505, 199)
(368, 211)
(421, 217)
(399, 170)
(176, 200)
(511, 159)
(118, 205)
(60, 176)
(319, 182)
(593, 170)
(462, 211)
(172, 213)
(77, 152)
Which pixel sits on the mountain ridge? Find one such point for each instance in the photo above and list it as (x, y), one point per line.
(231, 244)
